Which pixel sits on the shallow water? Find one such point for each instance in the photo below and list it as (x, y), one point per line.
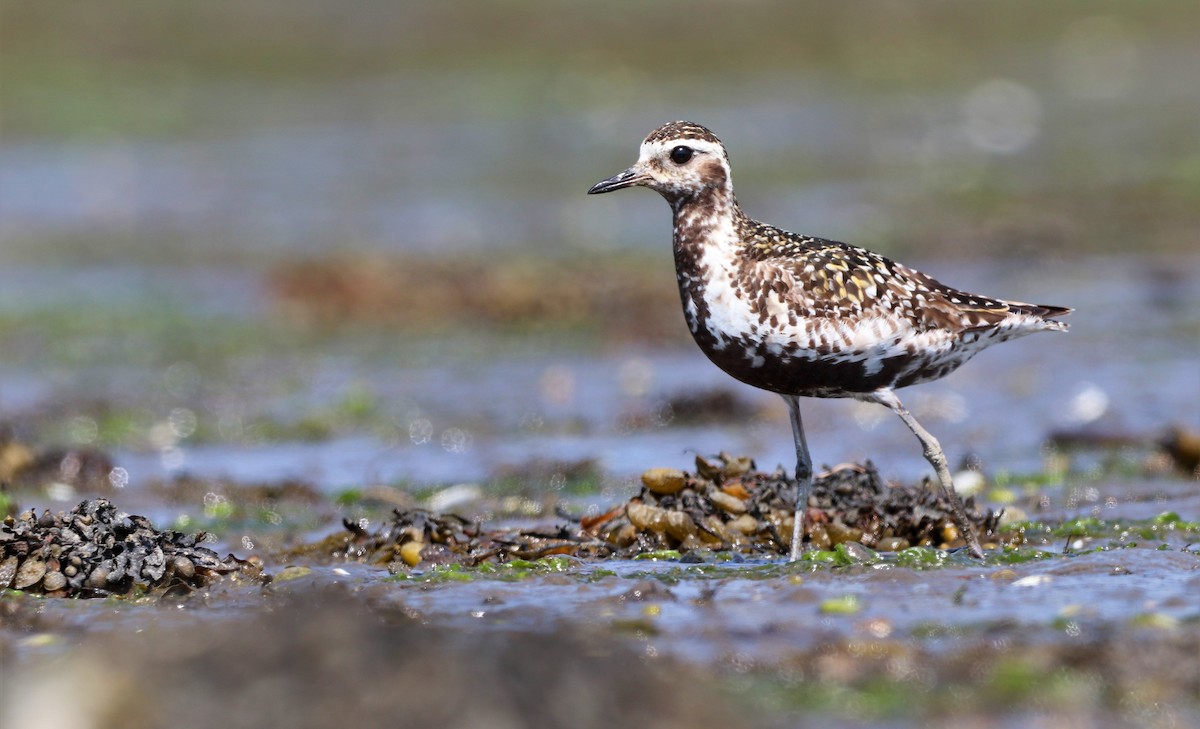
(707, 613)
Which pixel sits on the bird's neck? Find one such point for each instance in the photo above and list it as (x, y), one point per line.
(706, 244)
(706, 228)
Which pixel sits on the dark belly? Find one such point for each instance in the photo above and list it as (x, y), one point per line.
(832, 376)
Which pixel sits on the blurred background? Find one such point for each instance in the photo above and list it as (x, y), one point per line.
(350, 243)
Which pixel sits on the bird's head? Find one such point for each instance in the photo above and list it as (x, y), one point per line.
(681, 161)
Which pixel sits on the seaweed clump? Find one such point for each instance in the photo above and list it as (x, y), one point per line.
(725, 506)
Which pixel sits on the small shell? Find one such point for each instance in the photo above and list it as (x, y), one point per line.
(739, 466)
(891, 544)
(717, 532)
(54, 581)
(98, 579)
(839, 532)
(646, 516)
(736, 489)
(679, 525)
(732, 504)
(410, 552)
(950, 534)
(708, 470)
(184, 567)
(664, 480)
(745, 524)
(818, 537)
(8, 570)
(30, 573)
(625, 535)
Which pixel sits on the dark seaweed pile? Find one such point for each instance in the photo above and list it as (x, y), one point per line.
(725, 506)
(96, 550)
(730, 505)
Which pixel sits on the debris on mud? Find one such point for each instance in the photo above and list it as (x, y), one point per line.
(439, 292)
(15, 456)
(96, 550)
(1183, 446)
(726, 505)
(1175, 448)
(292, 502)
(186, 488)
(715, 405)
(79, 469)
(540, 475)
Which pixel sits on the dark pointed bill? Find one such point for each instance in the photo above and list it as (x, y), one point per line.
(628, 178)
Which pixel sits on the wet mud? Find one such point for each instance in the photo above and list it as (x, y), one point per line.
(1076, 619)
(328, 657)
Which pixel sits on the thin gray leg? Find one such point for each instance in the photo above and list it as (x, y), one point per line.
(936, 458)
(803, 475)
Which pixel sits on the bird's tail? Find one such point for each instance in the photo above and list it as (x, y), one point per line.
(1044, 315)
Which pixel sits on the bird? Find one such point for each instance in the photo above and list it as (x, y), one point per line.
(803, 316)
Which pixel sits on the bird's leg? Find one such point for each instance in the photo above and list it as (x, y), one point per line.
(936, 458)
(803, 475)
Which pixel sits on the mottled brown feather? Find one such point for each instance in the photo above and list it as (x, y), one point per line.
(805, 315)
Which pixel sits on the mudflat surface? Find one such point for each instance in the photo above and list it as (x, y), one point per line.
(1069, 618)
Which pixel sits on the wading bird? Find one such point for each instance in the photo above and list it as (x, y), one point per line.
(808, 317)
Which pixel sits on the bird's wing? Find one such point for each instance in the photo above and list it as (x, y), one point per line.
(829, 279)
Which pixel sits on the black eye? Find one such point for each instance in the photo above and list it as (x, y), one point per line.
(681, 154)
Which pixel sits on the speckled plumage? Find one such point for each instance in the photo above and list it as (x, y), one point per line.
(805, 316)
